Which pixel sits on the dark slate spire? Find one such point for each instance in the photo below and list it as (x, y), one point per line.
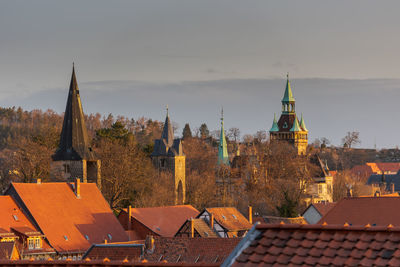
(74, 141)
(167, 133)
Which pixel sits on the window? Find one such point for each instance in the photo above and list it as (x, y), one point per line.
(87, 237)
(31, 243)
(223, 217)
(66, 168)
(233, 215)
(37, 243)
(109, 236)
(15, 217)
(66, 238)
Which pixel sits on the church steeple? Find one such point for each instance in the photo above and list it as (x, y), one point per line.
(223, 157)
(168, 132)
(74, 141)
(288, 101)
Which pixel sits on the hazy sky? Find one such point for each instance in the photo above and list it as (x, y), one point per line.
(134, 57)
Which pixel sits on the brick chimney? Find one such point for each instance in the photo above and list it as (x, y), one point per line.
(392, 188)
(129, 217)
(212, 222)
(39, 181)
(250, 214)
(78, 188)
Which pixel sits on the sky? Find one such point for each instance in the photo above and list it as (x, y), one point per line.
(134, 57)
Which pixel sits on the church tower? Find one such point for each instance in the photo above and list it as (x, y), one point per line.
(168, 156)
(74, 157)
(223, 158)
(289, 128)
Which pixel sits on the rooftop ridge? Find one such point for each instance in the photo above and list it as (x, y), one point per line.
(332, 227)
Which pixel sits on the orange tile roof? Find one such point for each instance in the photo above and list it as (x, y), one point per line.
(65, 219)
(164, 221)
(230, 218)
(324, 208)
(93, 263)
(9, 209)
(317, 245)
(114, 252)
(190, 250)
(364, 210)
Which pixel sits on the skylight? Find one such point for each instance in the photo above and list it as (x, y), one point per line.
(233, 215)
(66, 238)
(109, 236)
(87, 237)
(223, 217)
(15, 217)
(158, 228)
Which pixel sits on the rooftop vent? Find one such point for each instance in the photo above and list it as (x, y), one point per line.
(223, 217)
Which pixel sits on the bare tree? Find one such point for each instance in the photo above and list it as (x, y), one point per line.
(234, 133)
(352, 138)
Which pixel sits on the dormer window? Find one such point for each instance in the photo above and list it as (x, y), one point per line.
(31, 243)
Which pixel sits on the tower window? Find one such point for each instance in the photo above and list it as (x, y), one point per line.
(67, 168)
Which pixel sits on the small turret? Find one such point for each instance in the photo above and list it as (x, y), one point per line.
(302, 124)
(275, 127)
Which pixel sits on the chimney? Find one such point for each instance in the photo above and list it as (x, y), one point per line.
(149, 243)
(250, 214)
(78, 188)
(39, 181)
(191, 227)
(349, 192)
(105, 241)
(212, 222)
(129, 217)
(392, 188)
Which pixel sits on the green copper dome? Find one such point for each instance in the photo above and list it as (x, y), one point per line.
(288, 97)
(275, 127)
(302, 124)
(296, 126)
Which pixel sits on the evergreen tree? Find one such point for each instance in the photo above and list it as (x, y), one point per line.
(186, 133)
(204, 132)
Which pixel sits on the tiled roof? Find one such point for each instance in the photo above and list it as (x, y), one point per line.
(318, 245)
(164, 221)
(190, 250)
(376, 168)
(324, 208)
(27, 231)
(92, 263)
(12, 215)
(274, 220)
(6, 250)
(378, 211)
(387, 179)
(230, 218)
(70, 223)
(114, 252)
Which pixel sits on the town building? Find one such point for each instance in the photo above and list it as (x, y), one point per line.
(74, 157)
(115, 252)
(226, 222)
(18, 235)
(156, 221)
(321, 188)
(168, 156)
(288, 127)
(71, 216)
(362, 211)
(378, 168)
(9, 251)
(196, 228)
(315, 211)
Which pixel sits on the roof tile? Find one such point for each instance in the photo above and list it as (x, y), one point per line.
(297, 260)
(275, 250)
(371, 253)
(325, 261)
(268, 258)
(298, 235)
(279, 243)
(329, 252)
(367, 237)
(256, 257)
(293, 243)
(389, 245)
(321, 244)
(311, 235)
(357, 254)
(315, 252)
(307, 243)
(283, 259)
(334, 244)
(394, 262)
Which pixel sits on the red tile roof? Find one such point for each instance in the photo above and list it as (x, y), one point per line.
(92, 263)
(190, 250)
(164, 221)
(230, 218)
(375, 168)
(12, 215)
(317, 245)
(115, 252)
(324, 208)
(379, 211)
(68, 221)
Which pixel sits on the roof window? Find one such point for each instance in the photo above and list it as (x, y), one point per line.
(234, 216)
(158, 228)
(87, 237)
(15, 217)
(206, 234)
(109, 236)
(223, 217)
(66, 238)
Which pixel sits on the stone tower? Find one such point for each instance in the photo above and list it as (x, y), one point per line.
(289, 128)
(168, 156)
(74, 157)
(223, 157)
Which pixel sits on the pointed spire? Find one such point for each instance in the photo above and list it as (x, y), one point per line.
(288, 96)
(275, 127)
(168, 133)
(296, 126)
(302, 123)
(223, 157)
(74, 141)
